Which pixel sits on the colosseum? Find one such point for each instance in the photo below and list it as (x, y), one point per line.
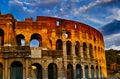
(50, 48)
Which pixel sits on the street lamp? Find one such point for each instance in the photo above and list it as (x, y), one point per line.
(35, 70)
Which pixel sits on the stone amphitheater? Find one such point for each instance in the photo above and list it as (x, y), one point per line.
(50, 48)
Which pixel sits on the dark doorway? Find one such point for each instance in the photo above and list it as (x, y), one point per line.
(16, 70)
(52, 71)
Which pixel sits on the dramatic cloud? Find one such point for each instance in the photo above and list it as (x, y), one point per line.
(111, 34)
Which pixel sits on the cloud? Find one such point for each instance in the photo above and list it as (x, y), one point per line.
(111, 28)
(97, 2)
(111, 34)
(112, 41)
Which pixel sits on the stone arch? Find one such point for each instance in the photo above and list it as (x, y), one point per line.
(16, 70)
(100, 72)
(95, 51)
(84, 50)
(69, 47)
(92, 72)
(70, 71)
(35, 40)
(86, 72)
(79, 72)
(1, 37)
(20, 38)
(97, 71)
(91, 50)
(37, 70)
(1, 71)
(77, 48)
(52, 71)
(68, 34)
(59, 44)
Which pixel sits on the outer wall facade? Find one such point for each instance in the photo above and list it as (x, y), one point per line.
(65, 49)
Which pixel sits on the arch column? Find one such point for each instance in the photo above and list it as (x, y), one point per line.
(89, 67)
(81, 53)
(6, 70)
(64, 48)
(45, 73)
(61, 73)
(83, 69)
(74, 71)
(26, 68)
(88, 54)
(65, 58)
(95, 71)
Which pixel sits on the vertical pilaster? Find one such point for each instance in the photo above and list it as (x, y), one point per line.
(83, 69)
(6, 70)
(95, 71)
(89, 67)
(26, 69)
(45, 73)
(88, 54)
(81, 53)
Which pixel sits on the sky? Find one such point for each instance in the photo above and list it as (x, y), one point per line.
(96, 13)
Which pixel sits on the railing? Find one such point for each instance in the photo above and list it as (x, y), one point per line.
(15, 51)
(53, 53)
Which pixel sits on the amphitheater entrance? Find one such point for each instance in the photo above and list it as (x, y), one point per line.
(92, 72)
(79, 74)
(69, 71)
(52, 71)
(97, 72)
(37, 70)
(86, 72)
(16, 70)
(1, 71)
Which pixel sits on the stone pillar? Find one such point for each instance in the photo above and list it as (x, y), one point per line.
(89, 67)
(6, 70)
(73, 50)
(88, 54)
(81, 53)
(64, 48)
(45, 73)
(83, 69)
(95, 71)
(98, 72)
(74, 71)
(26, 69)
(61, 73)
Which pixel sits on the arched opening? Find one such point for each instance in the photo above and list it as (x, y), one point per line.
(1, 37)
(35, 40)
(52, 71)
(91, 51)
(97, 72)
(92, 72)
(1, 71)
(59, 44)
(50, 43)
(84, 50)
(69, 71)
(20, 40)
(95, 52)
(77, 47)
(86, 72)
(37, 70)
(100, 72)
(79, 72)
(68, 35)
(68, 46)
(16, 70)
